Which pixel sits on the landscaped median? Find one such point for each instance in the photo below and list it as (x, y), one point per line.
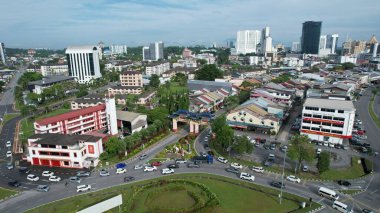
(187, 193)
(372, 111)
(6, 193)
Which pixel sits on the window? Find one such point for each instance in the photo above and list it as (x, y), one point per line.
(250, 120)
(234, 117)
(306, 121)
(271, 123)
(317, 116)
(316, 122)
(337, 131)
(327, 110)
(338, 125)
(242, 119)
(326, 124)
(307, 115)
(312, 108)
(64, 147)
(314, 128)
(306, 127)
(34, 152)
(75, 155)
(341, 111)
(326, 130)
(327, 117)
(338, 119)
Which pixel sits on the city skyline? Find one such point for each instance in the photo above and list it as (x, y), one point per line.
(196, 22)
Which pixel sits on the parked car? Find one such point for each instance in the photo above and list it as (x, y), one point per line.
(54, 179)
(8, 144)
(258, 169)
(236, 165)
(150, 168)
(271, 156)
(222, 160)
(83, 188)
(121, 171)
(272, 146)
(9, 154)
(343, 183)
(325, 143)
(180, 161)
(367, 211)
(137, 167)
(9, 166)
(319, 151)
(75, 179)
(24, 170)
(293, 179)
(268, 163)
(305, 168)
(246, 176)
(129, 178)
(43, 188)
(233, 170)
(83, 174)
(32, 177)
(14, 183)
(142, 157)
(193, 165)
(173, 166)
(266, 146)
(277, 184)
(104, 173)
(156, 163)
(331, 145)
(167, 171)
(284, 148)
(210, 153)
(47, 174)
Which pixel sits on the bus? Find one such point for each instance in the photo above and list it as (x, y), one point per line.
(339, 206)
(328, 193)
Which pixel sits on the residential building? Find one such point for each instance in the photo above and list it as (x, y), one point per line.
(146, 54)
(200, 87)
(206, 101)
(46, 82)
(328, 120)
(266, 41)
(125, 90)
(332, 42)
(2, 53)
(156, 68)
(186, 53)
(154, 52)
(247, 41)
(296, 47)
(131, 78)
(118, 49)
(55, 69)
(311, 33)
(353, 47)
(83, 63)
(209, 57)
(60, 150)
(146, 97)
(347, 58)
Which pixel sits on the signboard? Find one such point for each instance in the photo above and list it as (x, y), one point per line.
(104, 205)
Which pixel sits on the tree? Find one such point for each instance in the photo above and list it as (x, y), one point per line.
(208, 73)
(222, 56)
(201, 61)
(114, 146)
(242, 145)
(82, 92)
(34, 98)
(323, 162)
(244, 96)
(231, 101)
(27, 110)
(301, 150)
(282, 78)
(2, 83)
(180, 78)
(374, 91)
(348, 66)
(154, 81)
(224, 133)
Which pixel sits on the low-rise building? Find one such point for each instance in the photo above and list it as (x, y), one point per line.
(131, 122)
(146, 97)
(156, 68)
(55, 69)
(125, 90)
(46, 82)
(131, 78)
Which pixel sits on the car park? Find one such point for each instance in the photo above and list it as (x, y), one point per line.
(258, 169)
(222, 160)
(8, 144)
(54, 179)
(83, 174)
(83, 188)
(173, 166)
(9, 166)
(43, 188)
(104, 173)
(193, 165)
(167, 171)
(121, 171)
(32, 177)
(129, 178)
(233, 170)
(271, 156)
(236, 165)
(246, 176)
(9, 154)
(293, 179)
(142, 157)
(277, 184)
(150, 168)
(343, 183)
(137, 167)
(14, 183)
(180, 161)
(156, 163)
(47, 174)
(75, 179)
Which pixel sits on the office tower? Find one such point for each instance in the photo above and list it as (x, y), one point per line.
(2, 53)
(83, 63)
(118, 49)
(296, 46)
(154, 52)
(266, 41)
(146, 53)
(247, 41)
(323, 42)
(332, 42)
(311, 33)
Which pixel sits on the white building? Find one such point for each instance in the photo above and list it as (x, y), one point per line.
(327, 120)
(154, 52)
(2, 52)
(345, 59)
(118, 49)
(266, 41)
(296, 47)
(157, 68)
(57, 69)
(209, 57)
(247, 41)
(293, 62)
(332, 42)
(83, 63)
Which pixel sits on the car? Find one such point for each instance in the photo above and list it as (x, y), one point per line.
(83, 174)
(43, 188)
(305, 168)
(14, 183)
(32, 177)
(75, 179)
(284, 148)
(137, 167)
(319, 151)
(206, 146)
(331, 145)
(180, 161)
(206, 139)
(47, 174)
(258, 169)
(142, 157)
(325, 143)
(257, 144)
(236, 165)
(271, 156)
(104, 173)
(167, 171)
(246, 176)
(203, 154)
(266, 146)
(83, 188)
(344, 183)
(150, 168)
(172, 166)
(253, 141)
(277, 184)
(272, 146)
(129, 178)
(293, 179)
(193, 165)
(156, 163)
(367, 211)
(9, 166)
(54, 179)
(8, 144)
(24, 170)
(366, 145)
(121, 171)
(222, 160)
(268, 163)
(233, 170)
(9, 154)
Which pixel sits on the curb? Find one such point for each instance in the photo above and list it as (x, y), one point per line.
(316, 210)
(9, 197)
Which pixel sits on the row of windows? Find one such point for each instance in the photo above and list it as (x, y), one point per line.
(323, 117)
(323, 109)
(322, 130)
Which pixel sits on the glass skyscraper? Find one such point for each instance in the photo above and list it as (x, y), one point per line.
(311, 33)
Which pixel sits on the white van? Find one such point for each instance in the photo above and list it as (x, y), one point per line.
(341, 207)
(328, 193)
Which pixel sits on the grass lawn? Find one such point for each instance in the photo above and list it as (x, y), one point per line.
(54, 112)
(6, 193)
(355, 171)
(234, 196)
(372, 112)
(349, 191)
(9, 116)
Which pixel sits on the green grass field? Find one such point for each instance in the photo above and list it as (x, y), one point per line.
(9, 116)
(372, 112)
(234, 196)
(355, 171)
(4, 193)
(349, 191)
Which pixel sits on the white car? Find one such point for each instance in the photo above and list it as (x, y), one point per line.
(150, 169)
(9, 154)
(54, 179)
(47, 174)
(83, 188)
(236, 165)
(8, 144)
(253, 141)
(32, 177)
(258, 169)
(223, 160)
(137, 167)
(167, 171)
(293, 179)
(246, 176)
(121, 171)
(180, 161)
(319, 151)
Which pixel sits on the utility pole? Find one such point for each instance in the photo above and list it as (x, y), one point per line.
(282, 178)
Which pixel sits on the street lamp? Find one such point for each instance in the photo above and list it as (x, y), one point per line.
(282, 179)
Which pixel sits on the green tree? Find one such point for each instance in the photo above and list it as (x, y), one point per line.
(224, 133)
(114, 146)
(34, 98)
(301, 150)
(201, 62)
(246, 84)
(374, 91)
(222, 56)
(154, 81)
(181, 79)
(244, 96)
(231, 102)
(27, 110)
(82, 92)
(208, 73)
(323, 162)
(242, 145)
(282, 78)
(348, 66)
(2, 83)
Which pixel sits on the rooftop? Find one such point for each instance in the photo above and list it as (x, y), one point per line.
(51, 80)
(126, 116)
(126, 72)
(63, 139)
(329, 103)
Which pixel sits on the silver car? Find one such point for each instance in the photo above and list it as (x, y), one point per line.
(43, 188)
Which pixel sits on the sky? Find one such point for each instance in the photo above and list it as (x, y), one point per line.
(57, 24)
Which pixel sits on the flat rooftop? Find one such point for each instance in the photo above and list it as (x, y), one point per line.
(63, 139)
(329, 103)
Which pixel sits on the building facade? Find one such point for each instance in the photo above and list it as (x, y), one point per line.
(311, 33)
(157, 68)
(131, 78)
(118, 49)
(57, 69)
(154, 52)
(83, 63)
(46, 82)
(247, 41)
(327, 120)
(121, 90)
(2, 53)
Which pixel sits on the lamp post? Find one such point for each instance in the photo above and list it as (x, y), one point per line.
(282, 178)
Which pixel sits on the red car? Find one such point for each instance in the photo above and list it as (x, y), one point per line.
(359, 132)
(157, 163)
